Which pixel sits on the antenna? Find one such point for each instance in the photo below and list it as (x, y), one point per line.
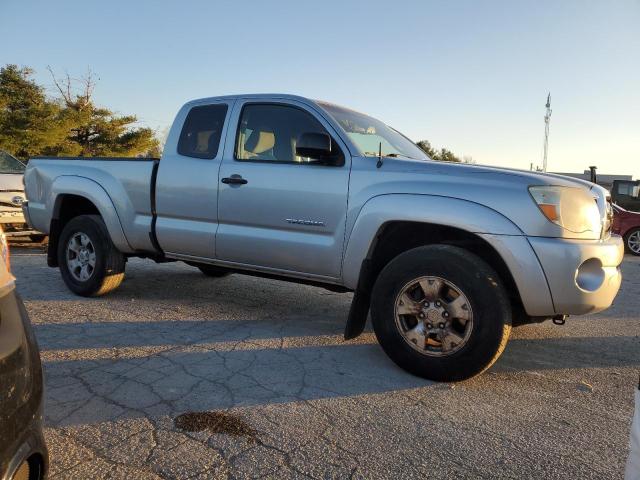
(547, 119)
(379, 163)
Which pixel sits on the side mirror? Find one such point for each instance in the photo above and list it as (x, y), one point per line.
(314, 145)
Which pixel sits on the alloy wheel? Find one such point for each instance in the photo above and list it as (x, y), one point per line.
(433, 316)
(81, 257)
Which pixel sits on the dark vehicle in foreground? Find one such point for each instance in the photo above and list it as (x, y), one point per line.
(23, 453)
(627, 225)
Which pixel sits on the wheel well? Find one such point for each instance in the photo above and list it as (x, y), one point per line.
(395, 238)
(66, 207)
(70, 206)
(36, 467)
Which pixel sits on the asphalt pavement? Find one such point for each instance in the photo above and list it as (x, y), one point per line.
(176, 375)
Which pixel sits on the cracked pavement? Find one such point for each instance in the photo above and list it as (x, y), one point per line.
(119, 369)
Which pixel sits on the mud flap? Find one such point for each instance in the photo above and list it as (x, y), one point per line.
(360, 304)
(52, 246)
(357, 315)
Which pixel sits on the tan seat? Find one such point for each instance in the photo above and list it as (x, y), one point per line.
(258, 143)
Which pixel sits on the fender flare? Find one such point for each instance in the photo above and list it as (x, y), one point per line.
(96, 194)
(439, 210)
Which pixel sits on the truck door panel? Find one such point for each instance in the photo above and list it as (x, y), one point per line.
(290, 214)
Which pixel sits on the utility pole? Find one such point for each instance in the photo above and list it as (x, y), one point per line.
(547, 119)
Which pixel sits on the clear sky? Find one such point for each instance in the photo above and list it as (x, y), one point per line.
(470, 76)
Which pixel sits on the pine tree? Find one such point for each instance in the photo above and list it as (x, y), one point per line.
(32, 124)
(29, 123)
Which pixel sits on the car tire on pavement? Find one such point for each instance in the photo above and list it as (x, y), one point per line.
(441, 313)
(632, 241)
(89, 262)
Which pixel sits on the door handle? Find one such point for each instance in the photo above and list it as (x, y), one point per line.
(234, 179)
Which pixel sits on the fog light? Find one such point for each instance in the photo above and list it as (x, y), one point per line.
(590, 275)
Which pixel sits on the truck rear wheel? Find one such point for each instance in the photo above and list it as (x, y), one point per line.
(440, 312)
(89, 262)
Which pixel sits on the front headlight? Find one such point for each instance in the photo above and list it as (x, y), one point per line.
(573, 208)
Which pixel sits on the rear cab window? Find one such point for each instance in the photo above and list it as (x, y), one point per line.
(201, 131)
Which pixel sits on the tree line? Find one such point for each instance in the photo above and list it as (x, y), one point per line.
(68, 124)
(442, 155)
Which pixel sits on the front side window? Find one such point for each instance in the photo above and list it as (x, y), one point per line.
(371, 136)
(270, 133)
(200, 136)
(10, 164)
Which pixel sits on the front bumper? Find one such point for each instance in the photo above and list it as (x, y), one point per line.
(583, 275)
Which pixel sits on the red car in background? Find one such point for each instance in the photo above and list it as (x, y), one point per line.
(627, 224)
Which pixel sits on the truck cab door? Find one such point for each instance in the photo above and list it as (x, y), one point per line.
(187, 180)
(279, 211)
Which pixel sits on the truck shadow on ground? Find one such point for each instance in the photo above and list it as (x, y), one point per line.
(109, 385)
(171, 341)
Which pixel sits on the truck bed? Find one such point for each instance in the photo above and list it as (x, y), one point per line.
(126, 181)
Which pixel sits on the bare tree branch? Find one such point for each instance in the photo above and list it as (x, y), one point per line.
(65, 95)
(77, 101)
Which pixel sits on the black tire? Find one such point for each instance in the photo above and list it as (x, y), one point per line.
(480, 284)
(109, 262)
(627, 237)
(212, 270)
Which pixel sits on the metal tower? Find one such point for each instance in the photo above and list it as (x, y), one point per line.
(547, 118)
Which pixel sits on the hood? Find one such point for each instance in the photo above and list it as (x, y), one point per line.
(11, 182)
(500, 174)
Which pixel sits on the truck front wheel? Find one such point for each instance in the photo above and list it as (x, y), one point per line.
(89, 262)
(440, 312)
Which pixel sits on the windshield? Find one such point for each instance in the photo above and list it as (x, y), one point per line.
(371, 135)
(9, 164)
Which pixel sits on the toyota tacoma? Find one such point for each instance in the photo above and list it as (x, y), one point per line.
(445, 257)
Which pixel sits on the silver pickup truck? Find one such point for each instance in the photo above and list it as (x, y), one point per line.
(446, 257)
